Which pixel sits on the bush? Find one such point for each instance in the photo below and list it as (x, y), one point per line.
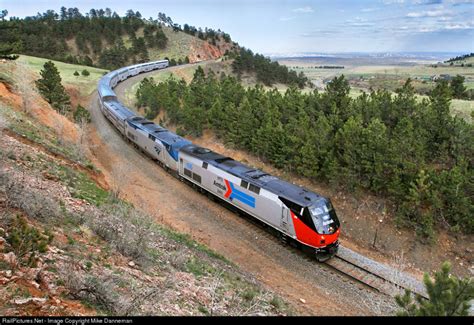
(448, 296)
(81, 115)
(26, 241)
(85, 73)
(76, 73)
(124, 228)
(32, 202)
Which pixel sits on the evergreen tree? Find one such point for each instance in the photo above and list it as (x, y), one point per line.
(448, 296)
(457, 87)
(50, 87)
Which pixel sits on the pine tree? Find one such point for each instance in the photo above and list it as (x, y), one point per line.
(50, 87)
(457, 87)
(448, 296)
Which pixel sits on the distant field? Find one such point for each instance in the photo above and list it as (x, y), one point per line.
(364, 75)
(86, 85)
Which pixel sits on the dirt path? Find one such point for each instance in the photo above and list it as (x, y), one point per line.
(177, 205)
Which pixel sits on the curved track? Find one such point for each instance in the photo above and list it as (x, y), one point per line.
(285, 270)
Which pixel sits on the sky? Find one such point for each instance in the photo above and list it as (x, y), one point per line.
(303, 26)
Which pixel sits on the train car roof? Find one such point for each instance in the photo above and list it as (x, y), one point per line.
(254, 176)
(105, 90)
(121, 111)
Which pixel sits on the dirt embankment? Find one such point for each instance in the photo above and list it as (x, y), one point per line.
(202, 51)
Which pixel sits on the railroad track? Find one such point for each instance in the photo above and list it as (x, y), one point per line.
(364, 276)
(375, 275)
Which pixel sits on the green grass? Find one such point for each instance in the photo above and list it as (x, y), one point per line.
(459, 107)
(86, 85)
(80, 185)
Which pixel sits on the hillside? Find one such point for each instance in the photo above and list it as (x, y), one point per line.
(104, 39)
(88, 252)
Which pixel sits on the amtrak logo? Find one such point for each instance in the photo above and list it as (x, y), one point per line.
(233, 193)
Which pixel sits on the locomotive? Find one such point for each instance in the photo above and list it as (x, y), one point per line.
(297, 214)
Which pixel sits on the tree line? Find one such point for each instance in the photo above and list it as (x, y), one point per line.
(460, 58)
(97, 35)
(267, 71)
(412, 152)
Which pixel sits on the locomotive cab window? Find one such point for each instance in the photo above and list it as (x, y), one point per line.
(244, 184)
(204, 165)
(254, 189)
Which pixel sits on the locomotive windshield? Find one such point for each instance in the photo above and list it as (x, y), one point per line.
(324, 218)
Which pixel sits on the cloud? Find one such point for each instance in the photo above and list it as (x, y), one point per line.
(428, 13)
(460, 2)
(427, 2)
(369, 9)
(359, 22)
(389, 2)
(304, 10)
(459, 26)
(286, 18)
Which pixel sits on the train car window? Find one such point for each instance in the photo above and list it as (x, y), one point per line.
(197, 178)
(152, 137)
(204, 165)
(254, 189)
(187, 172)
(244, 184)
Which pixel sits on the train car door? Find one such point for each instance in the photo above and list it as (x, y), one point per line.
(285, 214)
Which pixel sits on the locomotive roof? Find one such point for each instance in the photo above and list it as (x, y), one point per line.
(254, 176)
(171, 138)
(146, 125)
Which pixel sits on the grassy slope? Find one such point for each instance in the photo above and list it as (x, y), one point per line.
(86, 85)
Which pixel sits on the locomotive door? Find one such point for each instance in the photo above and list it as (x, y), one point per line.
(285, 214)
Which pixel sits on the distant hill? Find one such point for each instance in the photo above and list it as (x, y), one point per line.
(467, 58)
(104, 39)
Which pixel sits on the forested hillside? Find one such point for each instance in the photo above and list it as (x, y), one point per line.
(267, 72)
(414, 153)
(98, 38)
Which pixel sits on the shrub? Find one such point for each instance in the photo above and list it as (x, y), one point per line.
(81, 115)
(448, 296)
(85, 73)
(76, 73)
(26, 241)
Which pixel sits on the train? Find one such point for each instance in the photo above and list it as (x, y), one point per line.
(296, 213)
